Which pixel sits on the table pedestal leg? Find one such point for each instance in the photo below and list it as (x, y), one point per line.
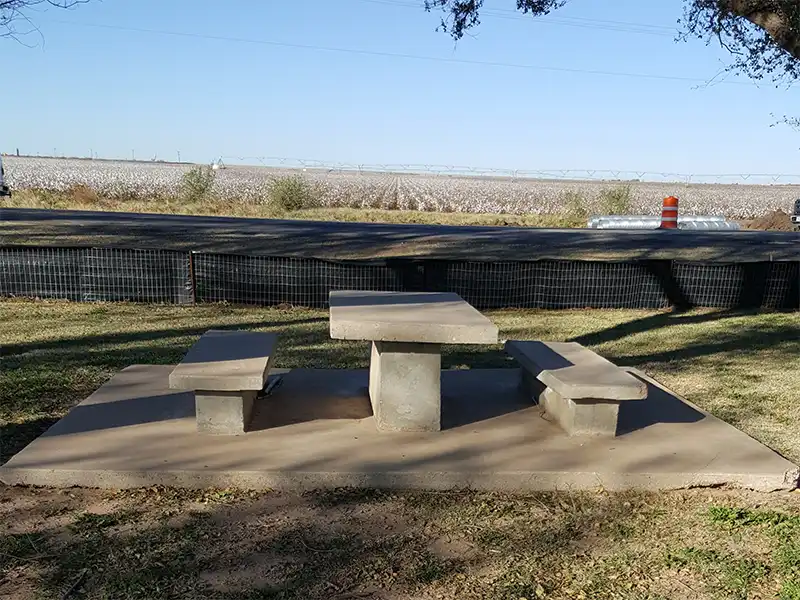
(405, 386)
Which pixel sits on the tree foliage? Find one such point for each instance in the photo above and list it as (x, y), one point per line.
(15, 20)
(762, 36)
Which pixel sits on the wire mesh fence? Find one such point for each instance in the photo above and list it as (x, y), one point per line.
(550, 284)
(270, 280)
(96, 274)
(145, 275)
(771, 285)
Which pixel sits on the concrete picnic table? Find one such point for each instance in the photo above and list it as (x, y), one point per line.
(407, 330)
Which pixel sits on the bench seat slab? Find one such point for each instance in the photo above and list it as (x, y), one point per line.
(229, 361)
(574, 371)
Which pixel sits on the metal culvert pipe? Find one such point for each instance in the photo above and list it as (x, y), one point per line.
(592, 222)
(653, 224)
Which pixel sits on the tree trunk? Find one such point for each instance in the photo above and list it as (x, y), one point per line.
(779, 18)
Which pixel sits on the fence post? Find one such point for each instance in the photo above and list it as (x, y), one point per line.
(794, 288)
(754, 284)
(192, 279)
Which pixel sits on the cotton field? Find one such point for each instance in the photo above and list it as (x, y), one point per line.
(401, 191)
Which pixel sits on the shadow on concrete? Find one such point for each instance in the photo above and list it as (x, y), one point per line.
(302, 396)
(218, 346)
(547, 359)
(472, 396)
(98, 416)
(658, 407)
(15, 436)
(306, 395)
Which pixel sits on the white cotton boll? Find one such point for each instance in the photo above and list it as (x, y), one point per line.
(340, 188)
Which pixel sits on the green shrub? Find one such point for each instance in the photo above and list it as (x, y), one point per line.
(197, 183)
(576, 205)
(616, 200)
(292, 192)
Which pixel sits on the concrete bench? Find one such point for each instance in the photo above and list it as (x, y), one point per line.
(407, 330)
(581, 390)
(226, 370)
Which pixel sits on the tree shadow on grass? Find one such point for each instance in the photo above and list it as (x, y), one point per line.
(739, 337)
(155, 335)
(738, 340)
(333, 544)
(653, 322)
(15, 436)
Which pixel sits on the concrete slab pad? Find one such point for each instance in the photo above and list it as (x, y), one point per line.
(316, 430)
(420, 317)
(229, 361)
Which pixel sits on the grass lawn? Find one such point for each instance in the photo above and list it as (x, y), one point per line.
(162, 543)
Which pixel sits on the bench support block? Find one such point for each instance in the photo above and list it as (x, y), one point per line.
(582, 417)
(223, 413)
(405, 386)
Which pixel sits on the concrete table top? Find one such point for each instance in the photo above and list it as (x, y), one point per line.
(417, 317)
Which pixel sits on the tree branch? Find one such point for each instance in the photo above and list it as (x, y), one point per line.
(15, 11)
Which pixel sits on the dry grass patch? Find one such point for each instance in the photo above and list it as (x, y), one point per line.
(371, 544)
(286, 204)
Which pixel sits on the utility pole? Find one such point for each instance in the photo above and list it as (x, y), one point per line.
(179, 156)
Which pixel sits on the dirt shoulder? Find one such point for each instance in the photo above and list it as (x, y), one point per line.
(341, 544)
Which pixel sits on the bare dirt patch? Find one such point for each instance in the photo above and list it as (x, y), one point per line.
(338, 544)
(777, 220)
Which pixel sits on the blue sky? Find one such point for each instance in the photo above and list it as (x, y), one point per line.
(96, 84)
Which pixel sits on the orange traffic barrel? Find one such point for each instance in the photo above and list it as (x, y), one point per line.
(669, 213)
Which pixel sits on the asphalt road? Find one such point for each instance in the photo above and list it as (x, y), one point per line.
(334, 240)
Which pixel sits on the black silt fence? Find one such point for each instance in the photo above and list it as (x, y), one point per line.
(550, 284)
(270, 280)
(141, 275)
(96, 274)
(771, 285)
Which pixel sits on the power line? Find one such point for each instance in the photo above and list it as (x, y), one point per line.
(555, 174)
(454, 169)
(397, 54)
(581, 22)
